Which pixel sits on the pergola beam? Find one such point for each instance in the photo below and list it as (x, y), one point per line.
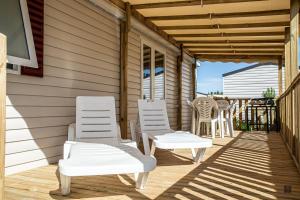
(188, 3)
(265, 41)
(226, 26)
(277, 47)
(222, 15)
(241, 57)
(236, 52)
(229, 34)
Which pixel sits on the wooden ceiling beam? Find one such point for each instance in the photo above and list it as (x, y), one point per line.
(280, 52)
(265, 41)
(226, 26)
(221, 15)
(188, 3)
(134, 13)
(190, 47)
(228, 34)
(239, 57)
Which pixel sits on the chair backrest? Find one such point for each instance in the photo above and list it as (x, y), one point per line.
(223, 104)
(153, 116)
(232, 106)
(204, 107)
(96, 119)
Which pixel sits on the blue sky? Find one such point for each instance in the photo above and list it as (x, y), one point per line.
(209, 75)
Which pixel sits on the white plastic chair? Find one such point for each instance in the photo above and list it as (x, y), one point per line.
(223, 106)
(230, 117)
(95, 148)
(155, 126)
(205, 107)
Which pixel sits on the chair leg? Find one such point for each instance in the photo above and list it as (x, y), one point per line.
(230, 123)
(200, 154)
(193, 153)
(227, 131)
(65, 184)
(213, 129)
(152, 151)
(198, 127)
(141, 180)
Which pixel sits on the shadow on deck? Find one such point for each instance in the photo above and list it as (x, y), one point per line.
(251, 166)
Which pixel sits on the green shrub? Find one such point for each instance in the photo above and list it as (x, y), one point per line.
(269, 93)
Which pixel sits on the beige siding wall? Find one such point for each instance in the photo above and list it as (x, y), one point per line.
(81, 57)
(134, 78)
(172, 88)
(187, 91)
(134, 73)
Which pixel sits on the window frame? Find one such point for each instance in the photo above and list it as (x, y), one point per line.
(154, 47)
(32, 62)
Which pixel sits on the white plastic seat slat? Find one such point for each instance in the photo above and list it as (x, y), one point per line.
(94, 117)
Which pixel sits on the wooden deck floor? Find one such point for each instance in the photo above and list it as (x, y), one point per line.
(250, 166)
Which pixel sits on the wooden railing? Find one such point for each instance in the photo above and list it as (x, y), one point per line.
(289, 118)
(246, 117)
(2, 109)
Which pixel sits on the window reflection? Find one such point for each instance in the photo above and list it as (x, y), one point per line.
(159, 81)
(147, 72)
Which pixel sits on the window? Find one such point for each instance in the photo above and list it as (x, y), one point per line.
(153, 66)
(15, 24)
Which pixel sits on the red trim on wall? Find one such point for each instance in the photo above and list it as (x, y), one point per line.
(36, 15)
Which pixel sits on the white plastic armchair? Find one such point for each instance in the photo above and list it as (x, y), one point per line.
(207, 111)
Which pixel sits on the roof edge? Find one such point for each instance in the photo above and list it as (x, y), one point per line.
(247, 68)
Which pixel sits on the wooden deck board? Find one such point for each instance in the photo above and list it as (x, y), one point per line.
(250, 166)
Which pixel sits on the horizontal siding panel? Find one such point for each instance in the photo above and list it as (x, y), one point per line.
(252, 82)
(81, 58)
(29, 156)
(31, 165)
(35, 133)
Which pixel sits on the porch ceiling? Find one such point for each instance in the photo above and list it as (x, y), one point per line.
(227, 30)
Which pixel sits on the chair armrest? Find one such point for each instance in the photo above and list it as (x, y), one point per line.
(132, 124)
(67, 148)
(71, 132)
(119, 132)
(146, 144)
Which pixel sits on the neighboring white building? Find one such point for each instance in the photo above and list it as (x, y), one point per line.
(251, 81)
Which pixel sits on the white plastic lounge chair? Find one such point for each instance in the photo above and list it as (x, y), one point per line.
(95, 147)
(154, 125)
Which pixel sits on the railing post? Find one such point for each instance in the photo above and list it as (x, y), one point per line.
(279, 75)
(294, 35)
(3, 53)
(287, 56)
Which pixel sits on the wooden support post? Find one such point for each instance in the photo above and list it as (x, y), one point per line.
(124, 30)
(3, 53)
(294, 35)
(280, 75)
(194, 78)
(287, 55)
(179, 72)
